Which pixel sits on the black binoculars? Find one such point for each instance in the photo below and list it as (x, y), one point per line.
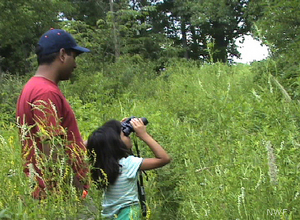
(127, 127)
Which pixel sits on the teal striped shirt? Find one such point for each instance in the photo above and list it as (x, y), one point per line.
(124, 191)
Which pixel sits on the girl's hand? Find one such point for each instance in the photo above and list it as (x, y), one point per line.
(138, 126)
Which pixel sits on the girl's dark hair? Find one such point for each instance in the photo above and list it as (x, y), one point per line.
(105, 149)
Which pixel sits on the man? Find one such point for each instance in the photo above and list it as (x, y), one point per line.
(47, 122)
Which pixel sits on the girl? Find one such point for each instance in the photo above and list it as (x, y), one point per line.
(116, 169)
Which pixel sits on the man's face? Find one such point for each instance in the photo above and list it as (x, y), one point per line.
(68, 64)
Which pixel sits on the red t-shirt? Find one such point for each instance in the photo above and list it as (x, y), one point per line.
(43, 108)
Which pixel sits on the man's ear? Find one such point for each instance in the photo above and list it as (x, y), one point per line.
(62, 54)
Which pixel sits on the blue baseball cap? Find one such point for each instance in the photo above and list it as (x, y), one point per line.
(55, 39)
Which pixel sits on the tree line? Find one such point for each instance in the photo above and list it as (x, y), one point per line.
(156, 30)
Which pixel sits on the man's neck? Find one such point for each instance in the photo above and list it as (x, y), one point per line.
(48, 72)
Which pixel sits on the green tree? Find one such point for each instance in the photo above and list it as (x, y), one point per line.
(221, 21)
(278, 26)
(21, 24)
(136, 29)
(88, 11)
(196, 23)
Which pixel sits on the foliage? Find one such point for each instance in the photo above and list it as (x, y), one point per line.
(278, 28)
(21, 24)
(202, 22)
(232, 131)
(16, 188)
(9, 92)
(88, 12)
(96, 39)
(155, 30)
(283, 19)
(233, 137)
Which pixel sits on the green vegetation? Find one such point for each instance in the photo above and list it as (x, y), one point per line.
(231, 131)
(155, 30)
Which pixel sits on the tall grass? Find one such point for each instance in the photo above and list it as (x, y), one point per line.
(234, 143)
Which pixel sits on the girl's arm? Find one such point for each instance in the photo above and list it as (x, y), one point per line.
(161, 156)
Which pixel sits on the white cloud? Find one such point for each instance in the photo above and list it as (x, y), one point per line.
(251, 50)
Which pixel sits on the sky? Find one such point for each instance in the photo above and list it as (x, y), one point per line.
(251, 50)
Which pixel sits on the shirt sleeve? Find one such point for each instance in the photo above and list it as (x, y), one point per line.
(133, 164)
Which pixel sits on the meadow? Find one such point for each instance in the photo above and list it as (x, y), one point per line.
(232, 133)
